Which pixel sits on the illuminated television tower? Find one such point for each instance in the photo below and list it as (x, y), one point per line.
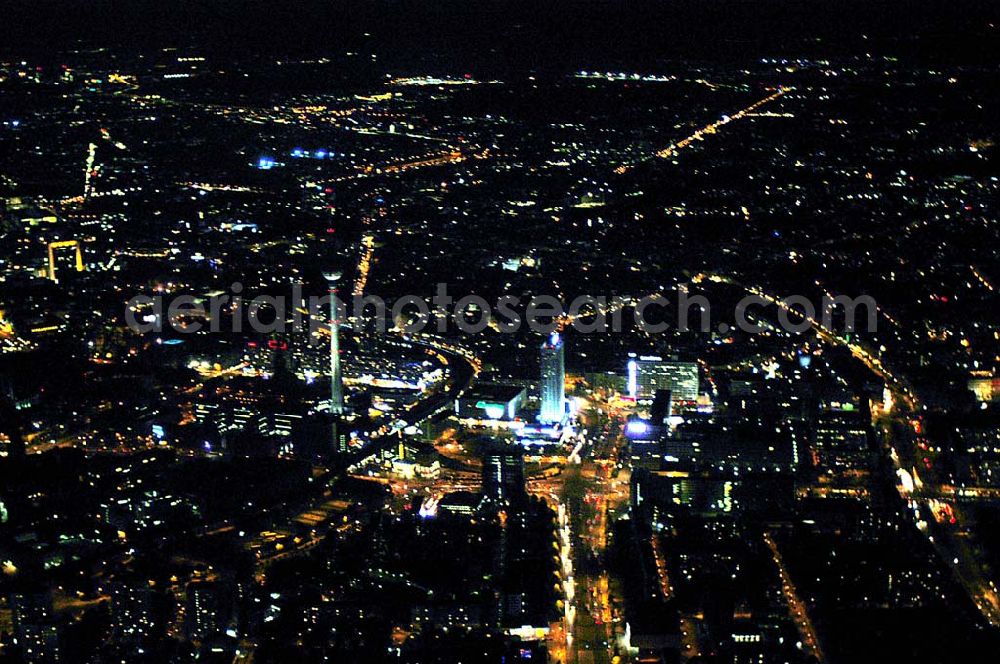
(336, 379)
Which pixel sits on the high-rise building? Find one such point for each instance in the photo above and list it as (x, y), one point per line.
(503, 475)
(204, 611)
(662, 409)
(336, 378)
(341, 439)
(132, 611)
(11, 440)
(553, 382)
(841, 442)
(649, 373)
(748, 643)
(35, 627)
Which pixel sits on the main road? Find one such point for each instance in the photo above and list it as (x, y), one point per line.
(585, 494)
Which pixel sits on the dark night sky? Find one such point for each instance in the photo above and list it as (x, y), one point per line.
(515, 33)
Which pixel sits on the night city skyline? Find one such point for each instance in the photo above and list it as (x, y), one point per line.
(576, 332)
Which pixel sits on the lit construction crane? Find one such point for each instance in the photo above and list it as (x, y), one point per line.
(89, 170)
(106, 135)
(364, 265)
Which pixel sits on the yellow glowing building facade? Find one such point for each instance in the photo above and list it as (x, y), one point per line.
(58, 249)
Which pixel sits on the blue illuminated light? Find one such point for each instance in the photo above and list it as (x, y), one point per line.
(636, 428)
(265, 163)
(633, 377)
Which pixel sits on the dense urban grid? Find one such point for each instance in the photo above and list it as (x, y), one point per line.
(792, 457)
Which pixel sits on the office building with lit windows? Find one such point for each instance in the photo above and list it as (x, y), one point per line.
(553, 375)
(649, 373)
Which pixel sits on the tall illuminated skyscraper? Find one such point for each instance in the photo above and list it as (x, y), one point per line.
(553, 380)
(336, 379)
